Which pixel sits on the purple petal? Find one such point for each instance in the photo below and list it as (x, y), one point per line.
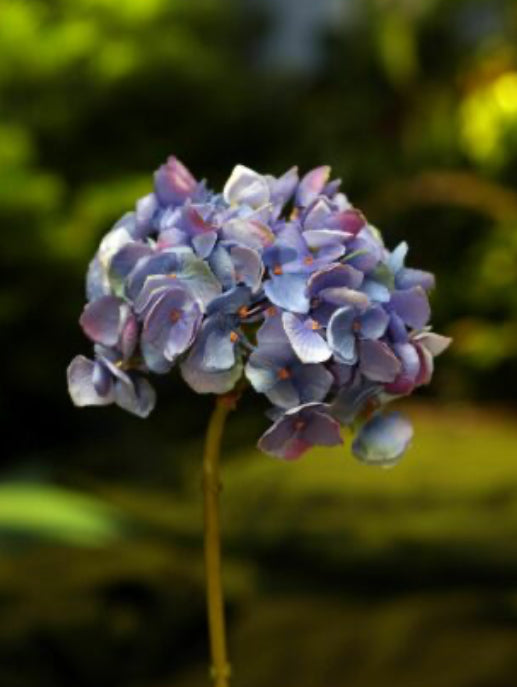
(282, 188)
(124, 261)
(205, 382)
(284, 394)
(407, 278)
(308, 343)
(146, 208)
(313, 381)
(80, 384)
(321, 430)
(101, 320)
(383, 439)
(138, 397)
(412, 306)
(335, 276)
(318, 215)
(102, 379)
(378, 362)
(248, 266)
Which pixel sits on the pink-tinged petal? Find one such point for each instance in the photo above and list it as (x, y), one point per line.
(377, 361)
(307, 342)
(101, 320)
(248, 232)
(425, 373)
(311, 185)
(128, 336)
(173, 183)
(434, 343)
(383, 440)
(412, 306)
(246, 187)
(281, 441)
(410, 360)
(350, 222)
(81, 384)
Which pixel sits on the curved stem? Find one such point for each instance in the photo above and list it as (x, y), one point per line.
(220, 670)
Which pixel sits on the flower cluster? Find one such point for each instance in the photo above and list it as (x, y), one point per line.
(277, 281)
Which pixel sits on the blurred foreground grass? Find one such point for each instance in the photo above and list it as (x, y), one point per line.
(336, 573)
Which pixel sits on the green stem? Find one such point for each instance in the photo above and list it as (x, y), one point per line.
(220, 670)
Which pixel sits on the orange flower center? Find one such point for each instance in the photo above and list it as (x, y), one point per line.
(175, 315)
(234, 337)
(284, 373)
(277, 269)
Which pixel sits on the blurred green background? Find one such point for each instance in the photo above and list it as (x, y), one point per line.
(336, 574)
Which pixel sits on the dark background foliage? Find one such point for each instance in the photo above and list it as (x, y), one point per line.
(375, 581)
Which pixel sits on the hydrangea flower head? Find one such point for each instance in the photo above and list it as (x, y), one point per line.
(276, 281)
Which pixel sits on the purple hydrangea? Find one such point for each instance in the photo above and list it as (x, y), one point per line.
(277, 281)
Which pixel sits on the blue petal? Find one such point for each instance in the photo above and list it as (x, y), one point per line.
(383, 439)
(308, 344)
(288, 291)
(374, 321)
(340, 336)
